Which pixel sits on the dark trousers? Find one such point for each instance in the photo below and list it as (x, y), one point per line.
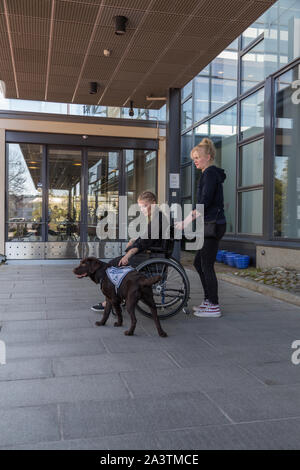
(204, 263)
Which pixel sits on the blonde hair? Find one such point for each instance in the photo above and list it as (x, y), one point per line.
(207, 145)
(147, 196)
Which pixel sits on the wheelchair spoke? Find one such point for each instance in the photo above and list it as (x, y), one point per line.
(170, 293)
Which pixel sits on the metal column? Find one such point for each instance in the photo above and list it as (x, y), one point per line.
(173, 152)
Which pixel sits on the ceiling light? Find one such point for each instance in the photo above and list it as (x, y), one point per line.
(156, 98)
(93, 88)
(121, 22)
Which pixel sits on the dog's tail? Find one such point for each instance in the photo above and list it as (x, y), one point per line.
(148, 281)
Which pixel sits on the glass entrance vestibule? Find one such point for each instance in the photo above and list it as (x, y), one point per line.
(56, 195)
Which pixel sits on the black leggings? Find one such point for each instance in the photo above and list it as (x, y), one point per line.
(204, 263)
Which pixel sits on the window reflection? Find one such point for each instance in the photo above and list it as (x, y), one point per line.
(223, 131)
(252, 114)
(253, 68)
(287, 159)
(186, 114)
(103, 189)
(250, 212)
(224, 77)
(201, 98)
(251, 163)
(140, 173)
(255, 30)
(186, 146)
(24, 192)
(64, 194)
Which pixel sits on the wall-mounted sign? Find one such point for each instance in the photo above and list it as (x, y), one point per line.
(174, 180)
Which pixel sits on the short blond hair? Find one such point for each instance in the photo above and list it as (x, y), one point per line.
(147, 196)
(207, 145)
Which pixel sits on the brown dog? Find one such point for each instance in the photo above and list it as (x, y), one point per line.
(135, 286)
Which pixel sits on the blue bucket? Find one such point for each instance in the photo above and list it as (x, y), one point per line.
(230, 259)
(242, 261)
(219, 257)
(227, 256)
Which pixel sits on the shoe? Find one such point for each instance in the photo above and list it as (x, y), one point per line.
(211, 311)
(204, 304)
(98, 308)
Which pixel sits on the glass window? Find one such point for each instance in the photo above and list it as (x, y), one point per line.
(252, 115)
(282, 43)
(103, 189)
(251, 163)
(201, 100)
(186, 146)
(187, 90)
(224, 81)
(250, 212)
(64, 194)
(253, 70)
(140, 173)
(78, 109)
(222, 91)
(205, 71)
(222, 129)
(186, 181)
(224, 135)
(202, 131)
(186, 114)
(287, 156)
(255, 30)
(25, 192)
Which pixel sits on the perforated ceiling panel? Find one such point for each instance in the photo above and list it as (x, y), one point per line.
(52, 49)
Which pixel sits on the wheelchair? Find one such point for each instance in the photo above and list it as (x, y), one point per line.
(171, 294)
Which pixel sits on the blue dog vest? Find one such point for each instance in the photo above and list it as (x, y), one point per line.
(116, 275)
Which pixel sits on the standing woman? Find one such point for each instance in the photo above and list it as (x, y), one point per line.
(210, 194)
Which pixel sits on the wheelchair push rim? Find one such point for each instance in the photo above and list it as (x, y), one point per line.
(171, 293)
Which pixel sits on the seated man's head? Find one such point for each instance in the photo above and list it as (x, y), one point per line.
(145, 200)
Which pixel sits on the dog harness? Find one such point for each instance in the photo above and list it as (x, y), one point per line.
(116, 275)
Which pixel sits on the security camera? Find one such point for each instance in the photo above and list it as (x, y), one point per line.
(131, 112)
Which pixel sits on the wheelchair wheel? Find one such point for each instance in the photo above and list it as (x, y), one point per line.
(171, 293)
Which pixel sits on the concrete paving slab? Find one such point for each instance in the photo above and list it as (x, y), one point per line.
(106, 363)
(95, 419)
(28, 425)
(20, 369)
(61, 390)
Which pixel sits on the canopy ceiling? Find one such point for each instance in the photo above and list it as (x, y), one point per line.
(51, 49)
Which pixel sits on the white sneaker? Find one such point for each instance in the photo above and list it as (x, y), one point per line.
(202, 306)
(211, 311)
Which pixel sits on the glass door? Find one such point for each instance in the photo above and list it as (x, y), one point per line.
(24, 221)
(64, 194)
(103, 189)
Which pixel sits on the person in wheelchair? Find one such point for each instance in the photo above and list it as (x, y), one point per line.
(140, 249)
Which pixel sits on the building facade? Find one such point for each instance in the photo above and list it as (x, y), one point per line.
(247, 100)
(61, 175)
